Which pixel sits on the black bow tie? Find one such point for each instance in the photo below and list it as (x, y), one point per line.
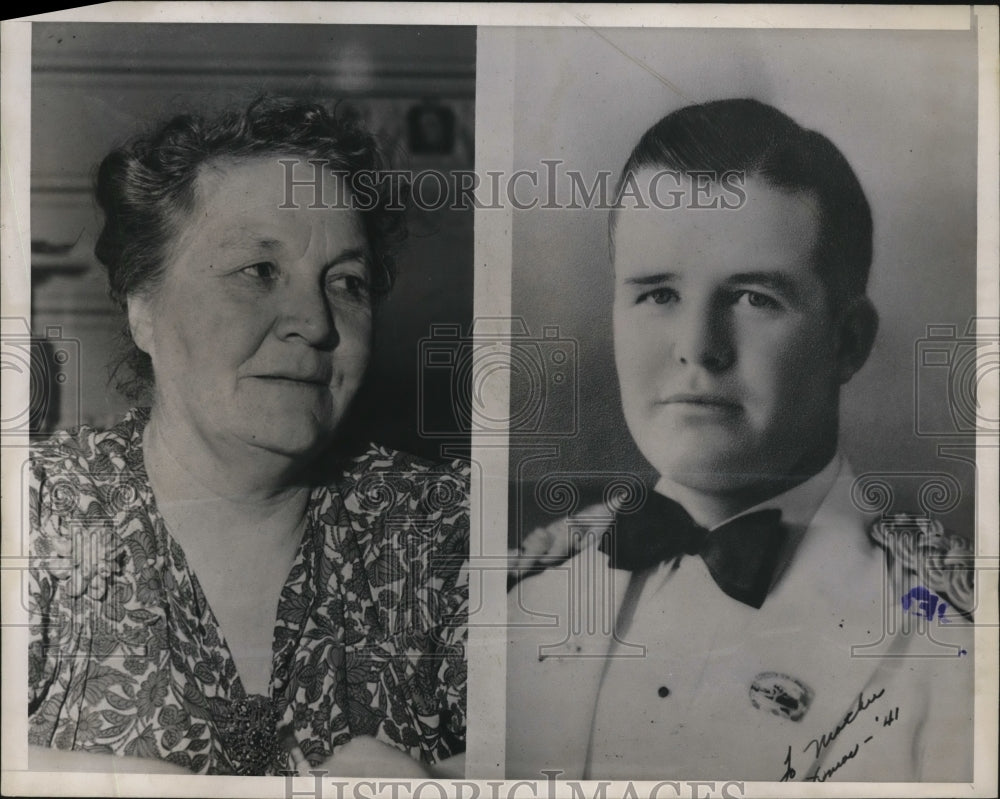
(741, 555)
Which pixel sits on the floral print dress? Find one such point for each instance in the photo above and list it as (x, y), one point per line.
(127, 658)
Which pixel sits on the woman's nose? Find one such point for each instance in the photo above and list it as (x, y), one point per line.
(305, 313)
(703, 337)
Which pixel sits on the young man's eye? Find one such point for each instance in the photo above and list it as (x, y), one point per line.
(657, 296)
(757, 300)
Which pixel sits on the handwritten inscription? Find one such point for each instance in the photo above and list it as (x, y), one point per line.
(817, 746)
(789, 771)
(821, 743)
(827, 773)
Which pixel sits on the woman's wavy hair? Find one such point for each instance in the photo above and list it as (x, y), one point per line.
(146, 190)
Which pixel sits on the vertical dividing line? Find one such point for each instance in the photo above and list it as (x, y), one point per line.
(487, 653)
(15, 308)
(987, 541)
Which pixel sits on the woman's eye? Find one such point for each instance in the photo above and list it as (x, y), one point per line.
(658, 296)
(355, 285)
(264, 271)
(757, 300)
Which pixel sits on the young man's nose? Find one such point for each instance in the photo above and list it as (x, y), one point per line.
(703, 337)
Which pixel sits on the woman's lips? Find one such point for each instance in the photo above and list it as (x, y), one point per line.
(321, 381)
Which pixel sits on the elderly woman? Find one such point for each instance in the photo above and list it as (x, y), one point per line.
(222, 582)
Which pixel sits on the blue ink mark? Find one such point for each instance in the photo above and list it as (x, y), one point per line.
(963, 652)
(924, 602)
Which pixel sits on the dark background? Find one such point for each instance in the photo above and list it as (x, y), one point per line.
(95, 85)
(901, 106)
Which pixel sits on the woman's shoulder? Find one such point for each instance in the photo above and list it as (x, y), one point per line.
(383, 480)
(90, 451)
(380, 458)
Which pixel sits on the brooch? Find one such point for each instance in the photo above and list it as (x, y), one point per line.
(248, 728)
(780, 694)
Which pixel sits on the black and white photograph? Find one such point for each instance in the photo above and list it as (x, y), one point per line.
(542, 401)
(247, 556)
(758, 264)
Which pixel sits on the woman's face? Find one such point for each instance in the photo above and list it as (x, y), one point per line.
(260, 331)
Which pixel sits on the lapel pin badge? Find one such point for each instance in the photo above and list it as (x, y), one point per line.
(780, 694)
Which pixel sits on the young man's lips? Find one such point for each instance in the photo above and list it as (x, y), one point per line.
(703, 400)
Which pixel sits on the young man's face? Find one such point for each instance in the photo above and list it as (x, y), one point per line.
(726, 347)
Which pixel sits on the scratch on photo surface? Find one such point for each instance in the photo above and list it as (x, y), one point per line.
(642, 65)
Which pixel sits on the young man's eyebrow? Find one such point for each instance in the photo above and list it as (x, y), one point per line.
(776, 281)
(650, 280)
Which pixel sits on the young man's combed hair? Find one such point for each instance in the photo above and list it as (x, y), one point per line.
(757, 140)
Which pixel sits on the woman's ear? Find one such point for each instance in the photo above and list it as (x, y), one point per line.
(855, 337)
(140, 321)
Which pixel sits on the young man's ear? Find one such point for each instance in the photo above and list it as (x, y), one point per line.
(856, 335)
(140, 321)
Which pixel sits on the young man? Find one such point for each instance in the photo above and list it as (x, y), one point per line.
(740, 622)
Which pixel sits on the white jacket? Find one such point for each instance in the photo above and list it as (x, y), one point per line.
(833, 619)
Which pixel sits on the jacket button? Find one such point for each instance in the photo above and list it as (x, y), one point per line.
(663, 691)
